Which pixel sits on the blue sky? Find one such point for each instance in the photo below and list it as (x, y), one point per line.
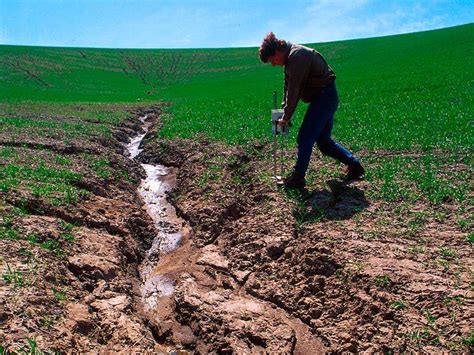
(191, 24)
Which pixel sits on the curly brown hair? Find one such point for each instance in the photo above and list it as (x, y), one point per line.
(270, 45)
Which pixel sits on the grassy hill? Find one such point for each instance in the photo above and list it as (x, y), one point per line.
(411, 90)
(399, 93)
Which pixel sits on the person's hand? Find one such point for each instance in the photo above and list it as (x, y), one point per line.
(283, 121)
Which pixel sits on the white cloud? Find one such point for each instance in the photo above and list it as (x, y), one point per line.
(339, 6)
(318, 21)
(326, 20)
(181, 27)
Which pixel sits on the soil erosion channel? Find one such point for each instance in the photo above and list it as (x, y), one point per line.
(177, 289)
(159, 180)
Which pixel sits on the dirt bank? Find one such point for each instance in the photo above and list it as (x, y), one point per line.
(70, 270)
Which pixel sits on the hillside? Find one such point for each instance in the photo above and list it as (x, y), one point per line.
(225, 86)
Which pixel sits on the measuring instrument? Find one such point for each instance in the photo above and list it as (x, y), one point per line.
(282, 131)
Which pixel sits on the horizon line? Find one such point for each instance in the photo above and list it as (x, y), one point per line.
(244, 47)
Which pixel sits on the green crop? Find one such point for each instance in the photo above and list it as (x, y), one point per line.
(406, 102)
(54, 184)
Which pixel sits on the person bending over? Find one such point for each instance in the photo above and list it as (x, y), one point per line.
(308, 77)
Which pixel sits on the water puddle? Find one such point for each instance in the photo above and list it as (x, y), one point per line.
(153, 189)
(154, 288)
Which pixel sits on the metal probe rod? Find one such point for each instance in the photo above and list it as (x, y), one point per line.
(281, 156)
(275, 138)
(274, 157)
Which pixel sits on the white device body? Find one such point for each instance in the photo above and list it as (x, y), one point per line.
(276, 128)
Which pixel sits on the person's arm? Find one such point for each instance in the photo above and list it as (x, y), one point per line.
(285, 87)
(297, 72)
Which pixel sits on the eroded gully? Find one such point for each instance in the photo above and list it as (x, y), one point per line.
(156, 285)
(172, 257)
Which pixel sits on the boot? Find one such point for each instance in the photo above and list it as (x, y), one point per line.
(294, 181)
(355, 172)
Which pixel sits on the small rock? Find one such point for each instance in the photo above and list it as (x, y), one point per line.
(3, 314)
(344, 336)
(315, 313)
(184, 336)
(163, 328)
(119, 303)
(289, 252)
(89, 299)
(351, 347)
(317, 324)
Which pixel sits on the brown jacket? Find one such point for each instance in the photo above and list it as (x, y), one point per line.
(306, 73)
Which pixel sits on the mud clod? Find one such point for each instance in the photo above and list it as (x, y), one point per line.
(79, 318)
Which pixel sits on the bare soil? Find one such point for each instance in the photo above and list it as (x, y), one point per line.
(322, 270)
(259, 269)
(83, 296)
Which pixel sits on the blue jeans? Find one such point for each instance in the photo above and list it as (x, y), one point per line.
(316, 128)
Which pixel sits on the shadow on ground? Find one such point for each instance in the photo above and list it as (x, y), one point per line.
(341, 201)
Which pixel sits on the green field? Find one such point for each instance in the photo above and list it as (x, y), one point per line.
(406, 100)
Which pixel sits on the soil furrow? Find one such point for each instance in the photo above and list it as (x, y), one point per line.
(55, 146)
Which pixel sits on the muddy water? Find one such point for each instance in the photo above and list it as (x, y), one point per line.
(153, 189)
